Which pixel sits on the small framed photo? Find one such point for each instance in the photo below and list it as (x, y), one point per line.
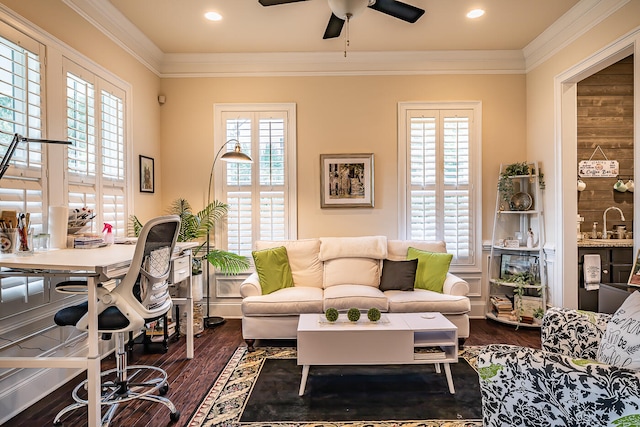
(346, 180)
(516, 264)
(147, 175)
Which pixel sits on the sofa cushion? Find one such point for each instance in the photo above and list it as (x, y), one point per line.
(351, 271)
(398, 275)
(620, 344)
(432, 268)
(397, 249)
(287, 301)
(343, 297)
(306, 267)
(353, 247)
(272, 266)
(421, 300)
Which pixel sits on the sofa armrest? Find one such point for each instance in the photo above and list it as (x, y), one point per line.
(575, 333)
(250, 286)
(522, 386)
(453, 285)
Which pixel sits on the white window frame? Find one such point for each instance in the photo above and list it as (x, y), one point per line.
(475, 175)
(291, 215)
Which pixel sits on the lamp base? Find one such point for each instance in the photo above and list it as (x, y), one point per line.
(213, 321)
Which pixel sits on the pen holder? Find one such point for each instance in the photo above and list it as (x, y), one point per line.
(25, 242)
(9, 240)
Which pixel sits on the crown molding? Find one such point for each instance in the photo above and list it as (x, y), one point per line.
(585, 15)
(106, 18)
(579, 19)
(334, 63)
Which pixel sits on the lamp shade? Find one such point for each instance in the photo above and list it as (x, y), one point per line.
(236, 156)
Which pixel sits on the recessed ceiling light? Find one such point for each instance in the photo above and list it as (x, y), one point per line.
(475, 13)
(213, 16)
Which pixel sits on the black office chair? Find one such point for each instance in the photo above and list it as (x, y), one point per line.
(141, 296)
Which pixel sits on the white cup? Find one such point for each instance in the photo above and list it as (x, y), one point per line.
(581, 185)
(620, 186)
(630, 185)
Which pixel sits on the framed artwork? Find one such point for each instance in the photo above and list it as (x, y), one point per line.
(147, 175)
(346, 180)
(515, 264)
(634, 277)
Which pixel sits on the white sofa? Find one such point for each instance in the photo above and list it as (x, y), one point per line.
(344, 272)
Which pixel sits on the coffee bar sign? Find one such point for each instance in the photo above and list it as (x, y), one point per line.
(598, 168)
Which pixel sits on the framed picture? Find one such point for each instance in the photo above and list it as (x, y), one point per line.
(515, 264)
(346, 180)
(634, 277)
(147, 175)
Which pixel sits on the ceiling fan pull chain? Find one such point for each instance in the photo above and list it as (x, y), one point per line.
(346, 39)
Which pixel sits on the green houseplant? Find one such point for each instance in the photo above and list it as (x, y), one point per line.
(195, 227)
(505, 181)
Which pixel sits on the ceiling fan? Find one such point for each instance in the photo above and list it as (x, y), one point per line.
(344, 10)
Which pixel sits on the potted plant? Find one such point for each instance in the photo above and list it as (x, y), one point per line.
(538, 314)
(505, 181)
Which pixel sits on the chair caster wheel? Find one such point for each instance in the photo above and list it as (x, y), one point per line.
(164, 389)
(175, 416)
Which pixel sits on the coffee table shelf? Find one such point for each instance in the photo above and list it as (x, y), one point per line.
(368, 343)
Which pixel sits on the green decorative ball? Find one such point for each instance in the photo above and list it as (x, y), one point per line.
(353, 314)
(373, 314)
(331, 314)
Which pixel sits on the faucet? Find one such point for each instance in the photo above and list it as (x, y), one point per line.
(604, 220)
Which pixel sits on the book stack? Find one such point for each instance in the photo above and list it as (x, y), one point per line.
(428, 353)
(88, 242)
(502, 307)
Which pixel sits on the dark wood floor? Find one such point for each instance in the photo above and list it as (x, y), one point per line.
(190, 379)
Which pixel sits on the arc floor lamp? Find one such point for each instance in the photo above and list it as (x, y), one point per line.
(235, 156)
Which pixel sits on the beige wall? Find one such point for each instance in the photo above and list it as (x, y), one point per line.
(338, 115)
(541, 141)
(63, 23)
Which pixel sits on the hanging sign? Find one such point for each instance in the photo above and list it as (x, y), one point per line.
(598, 168)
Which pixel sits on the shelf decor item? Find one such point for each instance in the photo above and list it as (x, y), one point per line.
(353, 314)
(373, 314)
(331, 314)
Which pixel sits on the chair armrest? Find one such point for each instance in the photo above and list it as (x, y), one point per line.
(453, 285)
(250, 286)
(520, 385)
(574, 333)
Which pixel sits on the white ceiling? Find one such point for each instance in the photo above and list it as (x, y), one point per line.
(178, 26)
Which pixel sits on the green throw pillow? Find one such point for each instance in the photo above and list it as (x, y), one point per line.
(432, 269)
(272, 266)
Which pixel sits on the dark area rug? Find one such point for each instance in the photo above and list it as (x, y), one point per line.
(367, 393)
(260, 389)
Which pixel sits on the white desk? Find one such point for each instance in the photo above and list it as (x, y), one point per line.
(98, 265)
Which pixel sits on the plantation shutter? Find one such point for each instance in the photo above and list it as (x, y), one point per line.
(23, 184)
(439, 190)
(256, 192)
(96, 163)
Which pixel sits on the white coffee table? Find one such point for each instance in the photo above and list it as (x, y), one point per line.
(390, 341)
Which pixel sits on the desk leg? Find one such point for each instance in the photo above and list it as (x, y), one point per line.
(93, 357)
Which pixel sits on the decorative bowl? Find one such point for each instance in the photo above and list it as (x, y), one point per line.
(521, 202)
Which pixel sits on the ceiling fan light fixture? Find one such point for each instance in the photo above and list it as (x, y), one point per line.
(342, 8)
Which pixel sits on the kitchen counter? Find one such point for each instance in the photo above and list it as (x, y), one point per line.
(605, 243)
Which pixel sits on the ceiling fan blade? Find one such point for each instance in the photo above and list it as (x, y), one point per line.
(399, 10)
(275, 2)
(334, 27)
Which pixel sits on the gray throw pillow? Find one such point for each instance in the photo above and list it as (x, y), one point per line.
(398, 275)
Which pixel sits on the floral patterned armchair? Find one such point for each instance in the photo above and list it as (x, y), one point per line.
(562, 384)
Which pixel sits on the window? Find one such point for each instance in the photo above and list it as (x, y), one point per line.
(96, 164)
(439, 168)
(260, 195)
(22, 187)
